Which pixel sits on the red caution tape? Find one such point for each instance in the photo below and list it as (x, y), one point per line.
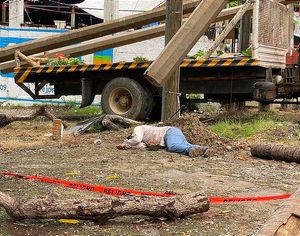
(119, 191)
(219, 200)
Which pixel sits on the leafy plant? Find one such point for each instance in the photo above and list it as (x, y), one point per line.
(199, 54)
(247, 52)
(64, 61)
(140, 59)
(219, 53)
(235, 3)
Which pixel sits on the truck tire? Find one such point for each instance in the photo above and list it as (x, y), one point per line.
(126, 97)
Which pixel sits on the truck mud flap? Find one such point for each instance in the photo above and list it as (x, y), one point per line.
(88, 92)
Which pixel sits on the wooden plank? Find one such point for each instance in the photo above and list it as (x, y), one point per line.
(248, 4)
(183, 41)
(285, 220)
(170, 99)
(89, 32)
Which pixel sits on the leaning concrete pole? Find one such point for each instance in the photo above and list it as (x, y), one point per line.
(183, 41)
(170, 98)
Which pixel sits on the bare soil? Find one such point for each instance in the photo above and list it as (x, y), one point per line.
(27, 149)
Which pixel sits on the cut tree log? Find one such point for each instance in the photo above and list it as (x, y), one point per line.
(19, 55)
(7, 119)
(105, 207)
(286, 219)
(245, 7)
(183, 41)
(277, 152)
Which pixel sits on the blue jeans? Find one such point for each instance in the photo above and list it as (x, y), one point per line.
(176, 142)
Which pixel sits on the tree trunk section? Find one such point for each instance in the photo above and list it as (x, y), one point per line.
(105, 207)
(286, 219)
(7, 119)
(276, 152)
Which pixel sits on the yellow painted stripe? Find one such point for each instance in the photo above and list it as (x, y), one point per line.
(96, 67)
(107, 67)
(73, 68)
(24, 76)
(133, 65)
(255, 63)
(243, 62)
(185, 63)
(199, 63)
(213, 63)
(146, 65)
(40, 70)
(17, 70)
(120, 66)
(83, 68)
(61, 68)
(50, 69)
(228, 62)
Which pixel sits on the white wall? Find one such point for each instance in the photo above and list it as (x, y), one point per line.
(152, 48)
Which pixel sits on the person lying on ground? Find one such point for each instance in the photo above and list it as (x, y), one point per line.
(168, 137)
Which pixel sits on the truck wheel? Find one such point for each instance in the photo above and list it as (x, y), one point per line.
(126, 97)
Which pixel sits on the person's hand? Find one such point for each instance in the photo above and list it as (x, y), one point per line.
(121, 146)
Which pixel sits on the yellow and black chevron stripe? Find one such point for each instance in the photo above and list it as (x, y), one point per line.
(22, 73)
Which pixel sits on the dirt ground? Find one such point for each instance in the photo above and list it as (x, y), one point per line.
(26, 149)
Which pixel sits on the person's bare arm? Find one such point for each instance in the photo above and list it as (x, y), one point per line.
(135, 141)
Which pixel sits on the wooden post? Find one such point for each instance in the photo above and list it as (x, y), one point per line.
(170, 98)
(3, 20)
(247, 5)
(184, 40)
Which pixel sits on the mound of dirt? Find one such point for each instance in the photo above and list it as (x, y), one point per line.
(196, 132)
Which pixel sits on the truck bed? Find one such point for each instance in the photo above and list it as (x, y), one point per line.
(27, 74)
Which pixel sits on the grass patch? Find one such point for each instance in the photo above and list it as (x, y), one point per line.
(246, 125)
(90, 110)
(235, 130)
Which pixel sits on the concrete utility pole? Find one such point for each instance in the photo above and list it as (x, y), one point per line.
(3, 20)
(111, 10)
(184, 40)
(73, 18)
(170, 98)
(245, 31)
(16, 13)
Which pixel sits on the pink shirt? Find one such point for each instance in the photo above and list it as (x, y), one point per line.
(147, 134)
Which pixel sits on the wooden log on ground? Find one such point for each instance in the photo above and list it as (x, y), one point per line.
(115, 122)
(277, 152)
(286, 219)
(7, 119)
(105, 207)
(183, 41)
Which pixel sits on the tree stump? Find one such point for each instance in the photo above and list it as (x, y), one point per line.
(105, 207)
